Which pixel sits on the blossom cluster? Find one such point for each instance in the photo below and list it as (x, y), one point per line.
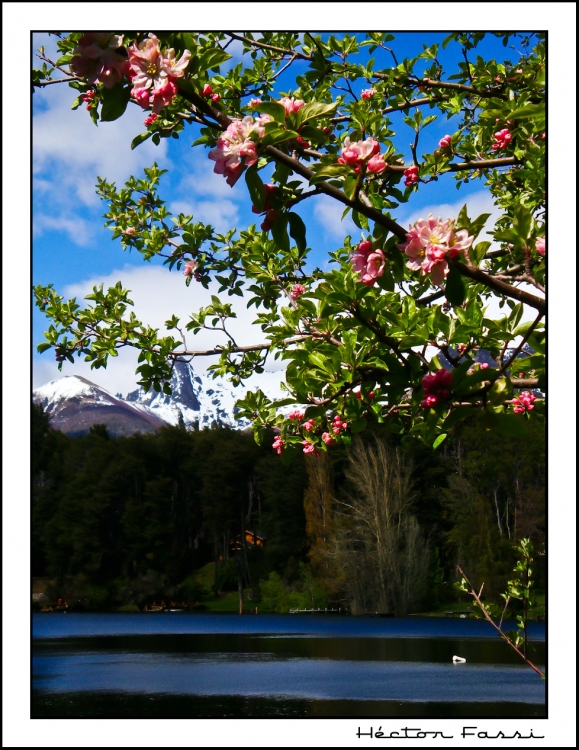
(278, 445)
(338, 425)
(524, 402)
(96, 59)
(411, 175)
(363, 153)
(208, 93)
(445, 142)
(369, 263)
(368, 93)
(236, 148)
(502, 138)
(296, 291)
(430, 242)
(296, 415)
(153, 73)
(437, 387)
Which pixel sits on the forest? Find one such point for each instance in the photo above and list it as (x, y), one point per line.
(376, 526)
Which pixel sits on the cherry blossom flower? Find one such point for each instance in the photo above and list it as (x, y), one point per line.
(524, 402)
(95, 58)
(254, 103)
(355, 154)
(278, 445)
(309, 425)
(291, 104)
(376, 164)
(368, 93)
(207, 90)
(338, 425)
(235, 147)
(328, 439)
(430, 242)
(296, 291)
(445, 142)
(437, 387)
(189, 268)
(216, 97)
(308, 447)
(502, 138)
(540, 246)
(154, 72)
(150, 119)
(411, 175)
(296, 415)
(368, 263)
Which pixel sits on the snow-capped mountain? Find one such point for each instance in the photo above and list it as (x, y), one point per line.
(74, 405)
(198, 398)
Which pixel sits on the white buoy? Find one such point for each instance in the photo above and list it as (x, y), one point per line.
(458, 660)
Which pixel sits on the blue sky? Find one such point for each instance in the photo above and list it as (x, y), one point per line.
(72, 249)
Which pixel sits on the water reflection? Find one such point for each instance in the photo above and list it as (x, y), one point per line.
(82, 669)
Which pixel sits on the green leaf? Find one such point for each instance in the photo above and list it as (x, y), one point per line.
(255, 186)
(43, 347)
(313, 110)
(330, 170)
(138, 139)
(455, 289)
(358, 425)
(279, 233)
(440, 439)
(297, 230)
(115, 102)
(274, 109)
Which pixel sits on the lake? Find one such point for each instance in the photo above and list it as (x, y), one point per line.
(193, 665)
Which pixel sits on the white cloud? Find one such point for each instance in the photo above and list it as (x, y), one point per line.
(70, 152)
(158, 295)
(79, 230)
(329, 213)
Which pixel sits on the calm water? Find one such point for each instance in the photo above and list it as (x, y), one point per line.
(206, 665)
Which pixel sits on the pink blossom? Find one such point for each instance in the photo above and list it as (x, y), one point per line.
(308, 447)
(296, 415)
(207, 90)
(355, 154)
(254, 103)
(502, 138)
(540, 246)
(153, 73)
(235, 147)
(430, 242)
(150, 119)
(376, 164)
(524, 402)
(484, 365)
(328, 439)
(374, 268)
(271, 216)
(296, 291)
(445, 142)
(368, 93)
(302, 142)
(129, 230)
(216, 97)
(278, 445)
(189, 268)
(411, 175)
(309, 425)
(437, 386)
(291, 104)
(365, 247)
(338, 425)
(95, 58)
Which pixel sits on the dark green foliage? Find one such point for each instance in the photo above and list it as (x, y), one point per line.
(125, 520)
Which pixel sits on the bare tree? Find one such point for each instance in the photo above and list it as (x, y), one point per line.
(379, 551)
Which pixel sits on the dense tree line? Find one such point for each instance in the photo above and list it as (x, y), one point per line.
(376, 526)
